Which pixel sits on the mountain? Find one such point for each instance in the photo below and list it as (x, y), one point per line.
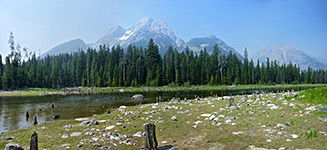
(67, 47)
(284, 53)
(140, 34)
(198, 44)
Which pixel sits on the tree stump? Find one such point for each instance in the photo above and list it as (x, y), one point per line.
(231, 102)
(150, 137)
(33, 142)
(35, 120)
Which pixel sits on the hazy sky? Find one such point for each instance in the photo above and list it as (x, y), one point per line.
(42, 24)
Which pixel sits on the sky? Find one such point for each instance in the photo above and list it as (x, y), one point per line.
(40, 25)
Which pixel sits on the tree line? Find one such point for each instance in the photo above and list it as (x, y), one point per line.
(138, 66)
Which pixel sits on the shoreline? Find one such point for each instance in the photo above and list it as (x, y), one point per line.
(286, 121)
(109, 90)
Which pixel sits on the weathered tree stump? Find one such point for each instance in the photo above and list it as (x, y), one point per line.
(150, 137)
(35, 120)
(231, 102)
(52, 106)
(33, 142)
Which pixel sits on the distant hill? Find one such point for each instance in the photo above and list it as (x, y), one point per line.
(284, 53)
(67, 47)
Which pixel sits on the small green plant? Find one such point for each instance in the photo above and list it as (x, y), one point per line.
(310, 134)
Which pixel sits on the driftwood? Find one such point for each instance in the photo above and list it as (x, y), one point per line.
(150, 137)
(33, 142)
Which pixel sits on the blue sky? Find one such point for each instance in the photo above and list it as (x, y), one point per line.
(40, 25)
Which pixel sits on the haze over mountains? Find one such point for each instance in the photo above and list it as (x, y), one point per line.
(146, 28)
(284, 53)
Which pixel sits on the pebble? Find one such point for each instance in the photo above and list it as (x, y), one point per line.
(110, 127)
(174, 118)
(164, 142)
(65, 136)
(9, 138)
(76, 134)
(205, 115)
(269, 140)
(97, 144)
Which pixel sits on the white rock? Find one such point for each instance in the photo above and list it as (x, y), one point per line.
(280, 125)
(212, 117)
(294, 136)
(288, 140)
(269, 140)
(164, 142)
(76, 134)
(110, 127)
(205, 115)
(65, 136)
(198, 122)
(236, 133)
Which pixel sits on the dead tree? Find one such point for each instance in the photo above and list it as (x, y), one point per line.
(35, 120)
(33, 142)
(150, 137)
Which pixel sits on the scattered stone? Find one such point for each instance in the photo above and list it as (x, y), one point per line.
(253, 118)
(268, 140)
(174, 118)
(230, 118)
(288, 140)
(76, 134)
(80, 145)
(175, 100)
(294, 136)
(251, 131)
(236, 133)
(164, 142)
(323, 133)
(288, 123)
(13, 146)
(280, 125)
(65, 136)
(323, 118)
(205, 115)
(138, 97)
(139, 134)
(198, 122)
(68, 126)
(9, 137)
(65, 145)
(97, 144)
(56, 116)
(89, 123)
(82, 119)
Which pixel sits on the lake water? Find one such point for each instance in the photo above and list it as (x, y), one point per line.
(13, 109)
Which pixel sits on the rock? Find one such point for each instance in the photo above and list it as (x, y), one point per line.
(294, 136)
(56, 116)
(205, 115)
(323, 133)
(65, 145)
(80, 145)
(139, 134)
(65, 136)
(89, 122)
(251, 131)
(120, 122)
(280, 125)
(9, 137)
(104, 147)
(174, 118)
(164, 142)
(253, 118)
(13, 146)
(68, 126)
(175, 100)
(138, 97)
(288, 123)
(76, 134)
(198, 122)
(323, 118)
(110, 127)
(230, 118)
(121, 108)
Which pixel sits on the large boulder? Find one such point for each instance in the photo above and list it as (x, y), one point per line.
(138, 97)
(89, 122)
(175, 100)
(13, 146)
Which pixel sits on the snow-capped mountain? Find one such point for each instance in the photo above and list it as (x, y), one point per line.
(284, 53)
(140, 34)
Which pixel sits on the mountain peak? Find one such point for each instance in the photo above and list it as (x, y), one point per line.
(212, 37)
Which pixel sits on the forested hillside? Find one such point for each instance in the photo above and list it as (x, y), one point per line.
(138, 66)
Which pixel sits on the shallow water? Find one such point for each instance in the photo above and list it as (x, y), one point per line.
(13, 109)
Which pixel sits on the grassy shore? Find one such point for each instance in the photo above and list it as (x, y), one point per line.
(84, 90)
(271, 120)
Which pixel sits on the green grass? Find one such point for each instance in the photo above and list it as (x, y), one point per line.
(315, 96)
